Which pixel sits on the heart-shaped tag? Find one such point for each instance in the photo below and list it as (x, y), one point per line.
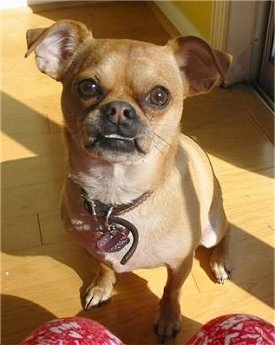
(112, 241)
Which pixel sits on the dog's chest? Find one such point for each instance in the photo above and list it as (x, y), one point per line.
(156, 246)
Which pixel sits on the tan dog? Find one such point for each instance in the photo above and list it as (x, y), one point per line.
(138, 194)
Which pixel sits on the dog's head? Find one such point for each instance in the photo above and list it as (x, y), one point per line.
(123, 99)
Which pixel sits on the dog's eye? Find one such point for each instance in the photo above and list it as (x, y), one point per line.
(89, 88)
(158, 96)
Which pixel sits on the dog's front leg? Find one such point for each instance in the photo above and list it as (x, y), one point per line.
(169, 319)
(101, 288)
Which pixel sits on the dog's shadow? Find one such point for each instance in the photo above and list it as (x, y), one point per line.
(131, 312)
(128, 317)
(133, 305)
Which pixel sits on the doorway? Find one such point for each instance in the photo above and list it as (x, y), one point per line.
(266, 75)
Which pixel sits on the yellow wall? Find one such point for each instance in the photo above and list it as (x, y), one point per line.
(199, 13)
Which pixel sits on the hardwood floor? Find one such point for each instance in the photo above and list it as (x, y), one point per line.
(43, 272)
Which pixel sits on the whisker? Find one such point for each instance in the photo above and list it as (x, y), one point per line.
(162, 139)
(160, 143)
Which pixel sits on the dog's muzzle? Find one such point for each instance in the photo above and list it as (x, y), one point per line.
(119, 127)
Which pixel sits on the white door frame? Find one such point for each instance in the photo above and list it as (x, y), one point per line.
(219, 24)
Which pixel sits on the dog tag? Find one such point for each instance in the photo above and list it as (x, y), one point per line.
(112, 241)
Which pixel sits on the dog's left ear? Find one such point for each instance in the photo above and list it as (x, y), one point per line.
(200, 65)
(55, 46)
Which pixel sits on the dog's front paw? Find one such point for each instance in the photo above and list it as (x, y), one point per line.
(168, 323)
(96, 295)
(101, 289)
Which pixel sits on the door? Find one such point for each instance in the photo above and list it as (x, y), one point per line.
(266, 76)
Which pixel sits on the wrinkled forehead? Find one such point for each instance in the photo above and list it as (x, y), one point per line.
(139, 65)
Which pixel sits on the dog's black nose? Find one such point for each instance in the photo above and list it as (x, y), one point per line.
(119, 112)
(119, 117)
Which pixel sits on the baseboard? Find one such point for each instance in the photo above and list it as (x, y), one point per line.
(41, 5)
(183, 25)
(13, 4)
(6, 5)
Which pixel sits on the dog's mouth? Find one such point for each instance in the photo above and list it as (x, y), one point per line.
(116, 143)
(119, 137)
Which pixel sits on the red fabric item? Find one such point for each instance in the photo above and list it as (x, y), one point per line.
(71, 331)
(236, 329)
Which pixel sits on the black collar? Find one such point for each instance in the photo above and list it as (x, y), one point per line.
(96, 207)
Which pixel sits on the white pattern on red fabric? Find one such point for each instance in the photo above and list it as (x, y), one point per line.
(71, 331)
(236, 329)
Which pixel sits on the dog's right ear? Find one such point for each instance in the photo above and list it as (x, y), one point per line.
(202, 66)
(55, 46)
